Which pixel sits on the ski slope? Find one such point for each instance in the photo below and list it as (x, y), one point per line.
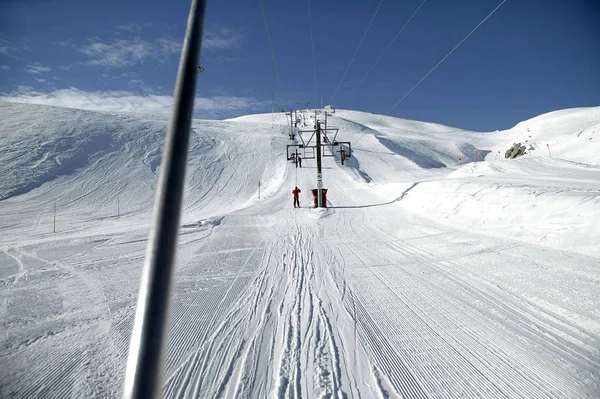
(423, 278)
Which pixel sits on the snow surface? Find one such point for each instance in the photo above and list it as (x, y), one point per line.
(425, 276)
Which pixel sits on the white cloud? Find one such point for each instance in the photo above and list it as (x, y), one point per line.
(122, 101)
(124, 52)
(22, 89)
(8, 50)
(169, 45)
(65, 43)
(228, 103)
(133, 27)
(120, 53)
(37, 69)
(11, 49)
(5, 67)
(228, 59)
(223, 38)
(6, 47)
(141, 85)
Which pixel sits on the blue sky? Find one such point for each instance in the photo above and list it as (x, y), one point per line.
(528, 58)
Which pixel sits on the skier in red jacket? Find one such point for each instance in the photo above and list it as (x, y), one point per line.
(296, 193)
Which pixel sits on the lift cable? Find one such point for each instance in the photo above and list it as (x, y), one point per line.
(438, 64)
(237, 7)
(389, 45)
(312, 43)
(271, 46)
(443, 59)
(356, 52)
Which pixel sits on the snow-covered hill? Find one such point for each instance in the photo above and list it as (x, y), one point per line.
(425, 277)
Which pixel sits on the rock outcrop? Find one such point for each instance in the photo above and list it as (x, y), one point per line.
(515, 151)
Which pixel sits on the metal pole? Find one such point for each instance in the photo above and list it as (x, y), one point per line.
(319, 172)
(144, 374)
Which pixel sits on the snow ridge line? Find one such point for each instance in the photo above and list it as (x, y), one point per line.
(405, 192)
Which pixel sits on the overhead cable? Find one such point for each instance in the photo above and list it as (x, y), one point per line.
(271, 46)
(438, 64)
(312, 43)
(356, 52)
(389, 45)
(443, 59)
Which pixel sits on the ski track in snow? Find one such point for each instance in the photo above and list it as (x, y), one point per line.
(389, 293)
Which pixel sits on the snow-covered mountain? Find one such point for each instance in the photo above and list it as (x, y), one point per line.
(427, 276)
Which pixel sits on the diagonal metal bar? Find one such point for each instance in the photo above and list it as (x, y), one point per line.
(144, 374)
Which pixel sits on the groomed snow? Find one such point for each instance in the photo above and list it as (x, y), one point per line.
(424, 277)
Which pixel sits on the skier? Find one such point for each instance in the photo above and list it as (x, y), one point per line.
(300, 161)
(296, 192)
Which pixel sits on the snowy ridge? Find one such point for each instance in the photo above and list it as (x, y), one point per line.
(82, 159)
(424, 277)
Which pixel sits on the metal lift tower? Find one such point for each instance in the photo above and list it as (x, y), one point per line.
(309, 149)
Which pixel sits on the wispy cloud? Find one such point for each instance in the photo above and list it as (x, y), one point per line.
(126, 52)
(168, 45)
(118, 54)
(133, 27)
(227, 59)
(5, 67)
(222, 38)
(66, 43)
(37, 69)
(13, 48)
(139, 84)
(7, 48)
(123, 101)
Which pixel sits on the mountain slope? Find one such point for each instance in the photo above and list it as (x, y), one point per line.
(422, 278)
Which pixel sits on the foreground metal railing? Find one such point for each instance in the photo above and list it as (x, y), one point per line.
(144, 374)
